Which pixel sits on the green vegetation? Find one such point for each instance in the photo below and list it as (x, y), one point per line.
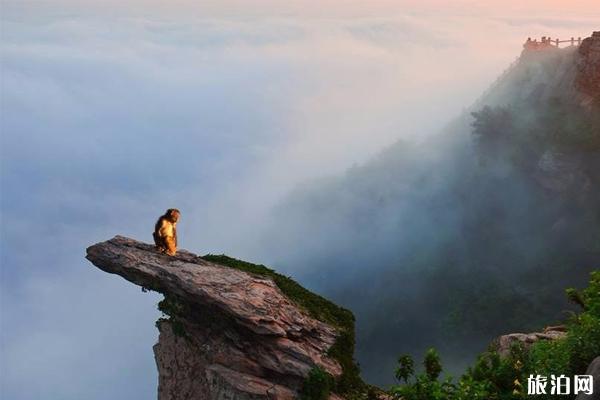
(572, 127)
(172, 308)
(521, 137)
(405, 369)
(503, 378)
(318, 385)
(349, 384)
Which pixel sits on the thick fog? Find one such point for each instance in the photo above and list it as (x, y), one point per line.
(111, 114)
(464, 236)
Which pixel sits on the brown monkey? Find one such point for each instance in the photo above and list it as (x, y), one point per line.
(165, 232)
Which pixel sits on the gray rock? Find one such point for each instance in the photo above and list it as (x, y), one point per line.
(562, 173)
(594, 370)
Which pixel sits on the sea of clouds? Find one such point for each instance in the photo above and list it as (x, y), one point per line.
(109, 115)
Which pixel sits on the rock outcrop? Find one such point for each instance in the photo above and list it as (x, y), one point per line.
(231, 334)
(562, 173)
(593, 370)
(588, 70)
(504, 343)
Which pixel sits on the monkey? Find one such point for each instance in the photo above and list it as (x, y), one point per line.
(165, 232)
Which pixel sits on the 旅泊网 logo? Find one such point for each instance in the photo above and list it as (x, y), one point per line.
(560, 385)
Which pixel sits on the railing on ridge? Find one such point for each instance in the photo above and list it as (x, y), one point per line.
(544, 43)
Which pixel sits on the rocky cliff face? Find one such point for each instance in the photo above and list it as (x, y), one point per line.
(230, 335)
(588, 70)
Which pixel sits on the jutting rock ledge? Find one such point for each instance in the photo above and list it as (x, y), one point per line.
(230, 334)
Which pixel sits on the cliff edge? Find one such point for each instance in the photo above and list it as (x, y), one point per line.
(230, 334)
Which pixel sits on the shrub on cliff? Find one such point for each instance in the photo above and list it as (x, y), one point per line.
(318, 385)
(504, 378)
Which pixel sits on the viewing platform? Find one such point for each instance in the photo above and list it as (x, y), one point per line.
(548, 42)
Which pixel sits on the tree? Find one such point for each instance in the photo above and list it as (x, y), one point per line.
(405, 368)
(433, 366)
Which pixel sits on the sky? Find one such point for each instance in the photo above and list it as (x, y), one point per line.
(112, 112)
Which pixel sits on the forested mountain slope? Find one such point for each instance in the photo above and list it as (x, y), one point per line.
(470, 234)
